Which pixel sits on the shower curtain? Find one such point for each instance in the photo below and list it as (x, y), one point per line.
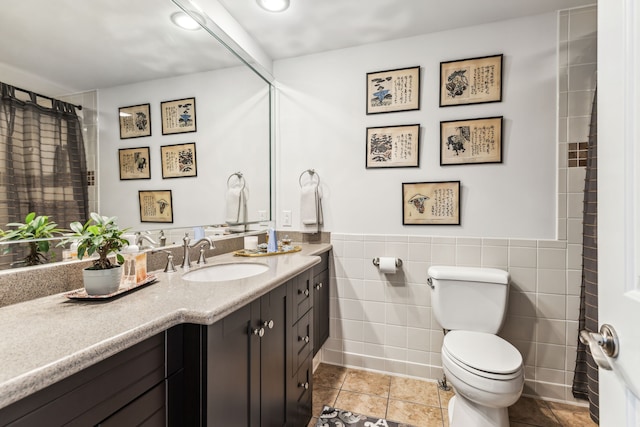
(43, 162)
(585, 379)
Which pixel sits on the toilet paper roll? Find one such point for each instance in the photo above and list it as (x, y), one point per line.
(387, 265)
(251, 243)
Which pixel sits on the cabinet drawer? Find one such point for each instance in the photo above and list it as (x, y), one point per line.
(303, 294)
(303, 381)
(302, 340)
(324, 263)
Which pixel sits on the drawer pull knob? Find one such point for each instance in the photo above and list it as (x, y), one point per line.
(304, 385)
(268, 324)
(305, 292)
(318, 286)
(305, 338)
(259, 332)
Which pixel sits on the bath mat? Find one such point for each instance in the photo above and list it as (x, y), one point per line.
(333, 417)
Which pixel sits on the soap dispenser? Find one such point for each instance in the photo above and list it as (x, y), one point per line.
(134, 269)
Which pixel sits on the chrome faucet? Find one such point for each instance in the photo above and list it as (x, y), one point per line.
(186, 259)
(140, 237)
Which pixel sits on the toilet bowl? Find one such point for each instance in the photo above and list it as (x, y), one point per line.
(485, 370)
(487, 375)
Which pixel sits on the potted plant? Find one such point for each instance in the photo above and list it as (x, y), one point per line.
(34, 227)
(99, 235)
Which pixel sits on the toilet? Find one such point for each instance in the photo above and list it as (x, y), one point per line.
(485, 371)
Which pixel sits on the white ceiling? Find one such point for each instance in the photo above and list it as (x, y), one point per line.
(83, 45)
(312, 26)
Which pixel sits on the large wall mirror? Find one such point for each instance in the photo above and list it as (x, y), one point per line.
(109, 55)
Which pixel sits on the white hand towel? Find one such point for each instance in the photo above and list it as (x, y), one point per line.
(234, 203)
(311, 207)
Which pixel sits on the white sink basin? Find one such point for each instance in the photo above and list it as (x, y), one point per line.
(224, 272)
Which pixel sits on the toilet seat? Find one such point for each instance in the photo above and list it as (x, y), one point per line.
(482, 354)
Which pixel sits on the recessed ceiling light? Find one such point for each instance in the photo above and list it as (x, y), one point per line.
(274, 5)
(184, 21)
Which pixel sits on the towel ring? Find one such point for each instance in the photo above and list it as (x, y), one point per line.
(240, 178)
(311, 173)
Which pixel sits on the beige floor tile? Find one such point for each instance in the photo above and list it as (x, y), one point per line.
(323, 396)
(365, 404)
(367, 382)
(330, 376)
(571, 415)
(445, 397)
(413, 390)
(533, 412)
(313, 422)
(414, 414)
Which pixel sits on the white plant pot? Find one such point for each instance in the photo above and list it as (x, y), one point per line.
(102, 282)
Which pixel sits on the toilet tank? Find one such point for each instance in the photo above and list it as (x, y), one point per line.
(469, 298)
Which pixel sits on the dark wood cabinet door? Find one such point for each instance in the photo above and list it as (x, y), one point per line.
(320, 310)
(228, 370)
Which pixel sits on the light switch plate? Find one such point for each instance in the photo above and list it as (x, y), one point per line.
(286, 218)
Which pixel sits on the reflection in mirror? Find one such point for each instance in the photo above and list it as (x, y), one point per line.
(127, 54)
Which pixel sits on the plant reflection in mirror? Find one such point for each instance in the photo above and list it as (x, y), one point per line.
(34, 227)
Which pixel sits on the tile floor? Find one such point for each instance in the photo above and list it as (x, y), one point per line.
(420, 403)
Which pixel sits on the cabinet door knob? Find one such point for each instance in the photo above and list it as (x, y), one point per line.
(305, 338)
(259, 332)
(305, 292)
(318, 286)
(268, 324)
(304, 385)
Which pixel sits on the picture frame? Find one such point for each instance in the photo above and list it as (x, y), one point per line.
(179, 160)
(471, 81)
(135, 163)
(471, 141)
(431, 203)
(393, 146)
(178, 116)
(393, 90)
(135, 121)
(156, 206)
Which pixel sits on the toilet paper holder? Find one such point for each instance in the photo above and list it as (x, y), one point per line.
(376, 262)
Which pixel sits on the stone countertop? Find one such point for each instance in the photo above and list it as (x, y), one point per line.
(48, 339)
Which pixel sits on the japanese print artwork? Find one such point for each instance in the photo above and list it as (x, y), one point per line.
(471, 141)
(393, 90)
(178, 116)
(135, 121)
(434, 203)
(156, 206)
(179, 160)
(393, 146)
(134, 163)
(471, 81)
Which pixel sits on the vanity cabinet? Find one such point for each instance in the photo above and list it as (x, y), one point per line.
(321, 302)
(139, 384)
(244, 365)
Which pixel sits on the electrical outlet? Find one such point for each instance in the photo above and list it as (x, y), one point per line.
(262, 216)
(286, 218)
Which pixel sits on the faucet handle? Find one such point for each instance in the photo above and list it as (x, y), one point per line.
(201, 259)
(170, 267)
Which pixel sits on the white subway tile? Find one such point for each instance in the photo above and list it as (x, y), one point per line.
(522, 304)
(418, 339)
(396, 314)
(395, 336)
(374, 290)
(552, 306)
(550, 356)
(374, 363)
(469, 255)
(353, 289)
(352, 329)
(350, 309)
(551, 331)
(418, 317)
(374, 350)
(552, 281)
(574, 231)
(574, 257)
(443, 254)
(495, 256)
(522, 257)
(373, 333)
(374, 312)
(552, 258)
(374, 250)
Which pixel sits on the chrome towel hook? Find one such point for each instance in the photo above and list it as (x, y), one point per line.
(312, 174)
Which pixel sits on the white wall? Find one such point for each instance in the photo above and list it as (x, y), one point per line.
(232, 117)
(322, 122)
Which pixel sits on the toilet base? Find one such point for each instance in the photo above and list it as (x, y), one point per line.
(465, 413)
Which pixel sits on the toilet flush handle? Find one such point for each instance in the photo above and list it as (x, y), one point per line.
(430, 283)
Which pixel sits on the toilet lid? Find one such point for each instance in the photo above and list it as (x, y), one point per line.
(482, 351)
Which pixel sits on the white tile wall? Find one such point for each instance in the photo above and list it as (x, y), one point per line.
(385, 323)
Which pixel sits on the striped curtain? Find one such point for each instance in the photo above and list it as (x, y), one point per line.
(585, 379)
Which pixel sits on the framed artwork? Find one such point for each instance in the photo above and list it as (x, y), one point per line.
(178, 116)
(134, 163)
(135, 121)
(471, 81)
(393, 146)
(155, 206)
(393, 90)
(471, 141)
(431, 203)
(179, 160)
